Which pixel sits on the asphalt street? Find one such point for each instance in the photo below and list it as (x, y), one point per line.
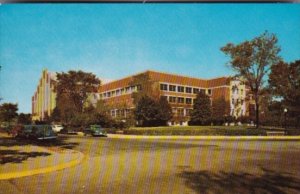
(113, 165)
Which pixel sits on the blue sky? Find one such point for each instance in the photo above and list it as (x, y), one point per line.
(117, 40)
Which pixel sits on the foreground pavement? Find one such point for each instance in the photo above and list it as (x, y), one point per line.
(20, 158)
(153, 165)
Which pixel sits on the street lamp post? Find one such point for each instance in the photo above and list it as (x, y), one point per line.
(285, 113)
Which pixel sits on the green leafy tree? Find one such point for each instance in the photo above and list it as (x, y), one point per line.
(72, 91)
(150, 112)
(146, 111)
(8, 112)
(55, 115)
(201, 114)
(24, 119)
(165, 110)
(220, 109)
(284, 83)
(252, 60)
(146, 87)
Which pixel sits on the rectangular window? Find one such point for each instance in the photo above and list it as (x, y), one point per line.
(188, 101)
(113, 93)
(180, 100)
(196, 90)
(127, 90)
(108, 94)
(209, 91)
(172, 99)
(180, 89)
(202, 91)
(180, 112)
(139, 87)
(133, 88)
(172, 88)
(113, 113)
(118, 92)
(164, 87)
(122, 91)
(188, 112)
(188, 90)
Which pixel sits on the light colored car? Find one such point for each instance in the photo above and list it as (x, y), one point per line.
(57, 128)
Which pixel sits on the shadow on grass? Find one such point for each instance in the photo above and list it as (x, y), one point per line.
(229, 182)
(15, 156)
(59, 142)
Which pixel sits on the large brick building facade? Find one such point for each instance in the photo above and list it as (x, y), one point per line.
(180, 92)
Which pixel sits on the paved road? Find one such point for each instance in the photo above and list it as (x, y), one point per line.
(170, 166)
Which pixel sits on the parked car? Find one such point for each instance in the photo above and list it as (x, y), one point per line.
(68, 130)
(95, 130)
(57, 128)
(37, 132)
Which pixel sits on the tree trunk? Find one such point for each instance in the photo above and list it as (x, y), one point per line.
(256, 112)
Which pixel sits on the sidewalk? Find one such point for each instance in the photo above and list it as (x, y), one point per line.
(26, 160)
(207, 137)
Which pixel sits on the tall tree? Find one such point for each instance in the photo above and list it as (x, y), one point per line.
(8, 112)
(146, 87)
(152, 112)
(165, 110)
(220, 108)
(24, 119)
(201, 114)
(72, 91)
(284, 82)
(252, 60)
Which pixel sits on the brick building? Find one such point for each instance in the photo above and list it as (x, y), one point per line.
(180, 92)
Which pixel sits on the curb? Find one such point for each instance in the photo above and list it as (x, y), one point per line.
(72, 163)
(117, 136)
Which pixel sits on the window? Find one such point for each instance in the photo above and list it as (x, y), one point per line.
(172, 88)
(133, 88)
(209, 91)
(232, 102)
(122, 91)
(180, 112)
(113, 113)
(196, 90)
(202, 91)
(242, 102)
(118, 92)
(188, 100)
(180, 88)
(139, 87)
(188, 90)
(180, 100)
(108, 94)
(188, 112)
(122, 113)
(172, 99)
(127, 89)
(164, 87)
(113, 93)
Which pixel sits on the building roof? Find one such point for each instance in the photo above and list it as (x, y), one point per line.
(168, 78)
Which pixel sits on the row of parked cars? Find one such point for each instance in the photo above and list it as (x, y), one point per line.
(49, 132)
